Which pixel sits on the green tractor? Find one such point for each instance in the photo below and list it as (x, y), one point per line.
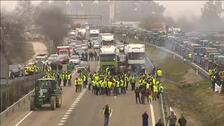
(47, 91)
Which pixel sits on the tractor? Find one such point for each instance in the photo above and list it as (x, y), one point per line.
(47, 91)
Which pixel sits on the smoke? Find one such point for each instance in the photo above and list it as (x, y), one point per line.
(13, 47)
(209, 21)
(53, 23)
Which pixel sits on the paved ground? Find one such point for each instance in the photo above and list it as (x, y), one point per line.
(44, 116)
(125, 112)
(88, 110)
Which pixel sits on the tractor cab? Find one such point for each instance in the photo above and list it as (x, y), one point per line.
(47, 91)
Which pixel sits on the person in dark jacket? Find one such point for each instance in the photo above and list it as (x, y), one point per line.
(182, 121)
(137, 95)
(145, 117)
(159, 123)
(107, 112)
(172, 119)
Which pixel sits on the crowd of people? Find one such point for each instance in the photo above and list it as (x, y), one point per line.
(145, 86)
(63, 77)
(217, 79)
(150, 86)
(102, 83)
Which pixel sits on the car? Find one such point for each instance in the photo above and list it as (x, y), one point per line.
(96, 44)
(82, 67)
(16, 70)
(41, 58)
(84, 46)
(82, 54)
(75, 59)
(63, 59)
(30, 69)
(52, 58)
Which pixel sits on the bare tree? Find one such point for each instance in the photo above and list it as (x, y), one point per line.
(211, 16)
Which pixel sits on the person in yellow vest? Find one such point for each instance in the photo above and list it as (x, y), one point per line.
(159, 73)
(210, 72)
(109, 87)
(93, 86)
(190, 56)
(97, 87)
(132, 82)
(122, 85)
(84, 77)
(161, 89)
(101, 87)
(69, 77)
(80, 84)
(76, 85)
(64, 76)
(125, 86)
(126, 81)
(116, 87)
(155, 92)
(107, 70)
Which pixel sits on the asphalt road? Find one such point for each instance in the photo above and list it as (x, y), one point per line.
(86, 109)
(44, 116)
(125, 112)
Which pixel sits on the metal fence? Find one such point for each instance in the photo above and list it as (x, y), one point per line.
(15, 90)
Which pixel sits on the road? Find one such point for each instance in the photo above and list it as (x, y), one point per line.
(44, 116)
(86, 109)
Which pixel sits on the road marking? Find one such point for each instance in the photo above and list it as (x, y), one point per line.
(23, 118)
(71, 108)
(60, 124)
(111, 112)
(152, 114)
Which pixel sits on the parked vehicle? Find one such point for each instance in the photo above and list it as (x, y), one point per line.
(75, 59)
(63, 59)
(47, 91)
(16, 70)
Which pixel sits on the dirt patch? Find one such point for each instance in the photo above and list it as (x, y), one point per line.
(38, 48)
(191, 77)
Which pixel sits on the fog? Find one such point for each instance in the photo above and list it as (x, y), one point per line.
(186, 14)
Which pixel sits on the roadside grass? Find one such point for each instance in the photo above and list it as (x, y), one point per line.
(196, 100)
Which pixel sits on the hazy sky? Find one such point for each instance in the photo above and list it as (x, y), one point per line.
(174, 9)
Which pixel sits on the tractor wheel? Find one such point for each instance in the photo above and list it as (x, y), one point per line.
(59, 101)
(53, 102)
(32, 104)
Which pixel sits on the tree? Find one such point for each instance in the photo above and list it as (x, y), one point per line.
(211, 16)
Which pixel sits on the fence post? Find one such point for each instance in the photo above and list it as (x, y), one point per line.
(162, 108)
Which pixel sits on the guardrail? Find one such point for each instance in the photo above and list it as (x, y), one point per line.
(162, 103)
(14, 107)
(162, 99)
(198, 68)
(24, 100)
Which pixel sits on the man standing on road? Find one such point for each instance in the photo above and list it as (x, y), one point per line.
(182, 121)
(137, 96)
(64, 76)
(132, 81)
(145, 117)
(159, 123)
(69, 77)
(172, 118)
(107, 114)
